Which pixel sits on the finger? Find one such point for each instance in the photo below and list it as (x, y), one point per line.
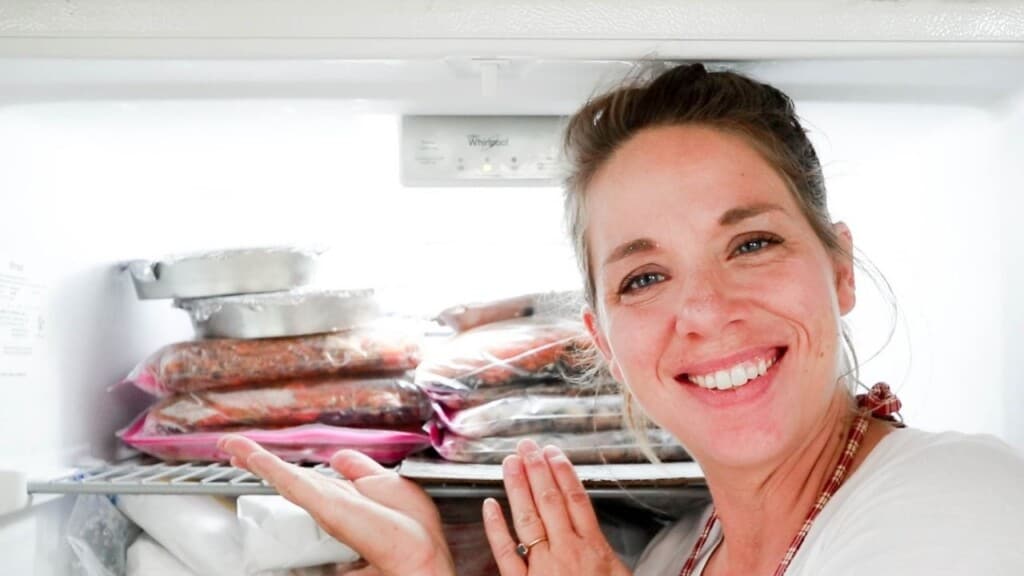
(577, 501)
(354, 465)
(547, 496)
(528, 524)
(502, 545)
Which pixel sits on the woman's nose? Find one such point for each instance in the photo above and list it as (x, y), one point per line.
(704, 307)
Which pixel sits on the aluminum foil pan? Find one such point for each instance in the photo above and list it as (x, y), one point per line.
(274, 315)
(245, 271)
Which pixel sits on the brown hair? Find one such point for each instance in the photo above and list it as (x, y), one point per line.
(692, 95)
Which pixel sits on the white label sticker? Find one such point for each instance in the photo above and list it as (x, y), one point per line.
(21, 318)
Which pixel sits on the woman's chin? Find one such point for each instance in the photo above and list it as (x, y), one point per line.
(748, 447)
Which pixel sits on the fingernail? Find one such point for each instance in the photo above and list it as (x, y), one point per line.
(491, 509)
(528, 446)
(511, 466)
(553, 452)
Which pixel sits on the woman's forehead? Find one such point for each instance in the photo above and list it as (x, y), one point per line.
(679, 174)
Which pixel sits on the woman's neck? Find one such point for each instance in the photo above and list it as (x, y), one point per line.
(762, 510)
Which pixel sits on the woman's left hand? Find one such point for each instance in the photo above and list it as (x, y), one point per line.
(552, 515)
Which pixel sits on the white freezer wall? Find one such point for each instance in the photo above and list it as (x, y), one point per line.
(931, 191)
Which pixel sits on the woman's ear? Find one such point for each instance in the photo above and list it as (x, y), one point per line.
(846, 286)
(590, 321)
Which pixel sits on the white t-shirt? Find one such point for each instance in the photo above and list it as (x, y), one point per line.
(920, 503)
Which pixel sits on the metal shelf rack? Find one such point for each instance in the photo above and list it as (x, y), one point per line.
(219, 479)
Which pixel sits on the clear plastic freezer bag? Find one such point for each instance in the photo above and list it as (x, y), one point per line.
(99, 536)
(530, 414)
(368, 402)
(312, 443)
(608, 447)
(464, 399)
(209, 364)
(521, 351)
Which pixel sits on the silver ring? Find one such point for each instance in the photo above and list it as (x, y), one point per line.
(524, 549)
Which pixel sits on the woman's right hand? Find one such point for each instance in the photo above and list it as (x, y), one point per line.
(390, 521)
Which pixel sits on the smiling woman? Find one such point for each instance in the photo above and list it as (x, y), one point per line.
(716, 283)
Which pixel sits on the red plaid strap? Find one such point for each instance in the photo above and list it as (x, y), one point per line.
(881, 403)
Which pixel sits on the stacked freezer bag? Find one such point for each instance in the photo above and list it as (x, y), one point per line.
(303, 372)
(518, 369)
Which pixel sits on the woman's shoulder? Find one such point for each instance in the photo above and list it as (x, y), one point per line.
(936, 458)
(924, 502)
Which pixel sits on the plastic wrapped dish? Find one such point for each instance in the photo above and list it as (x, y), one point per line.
(529, 414)
(242, 271)
(311, 443)
(209, 364)
(521, 351)
(463, 399)
(549, 304)
(608, 447)
(281, 314)
(369, 402)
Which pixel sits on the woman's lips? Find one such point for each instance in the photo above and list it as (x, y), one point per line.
(748, 391)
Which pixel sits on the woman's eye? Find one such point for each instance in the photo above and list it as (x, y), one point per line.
(641, 281)
(756, 244)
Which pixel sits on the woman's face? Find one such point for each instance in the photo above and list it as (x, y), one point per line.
(716, 303)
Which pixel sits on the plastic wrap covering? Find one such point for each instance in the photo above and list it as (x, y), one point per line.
(146, 557)
(462, 399)
(373, 402)
(98, 534)
(519, 415)
(550, 304)
(512, 352)
(200, 531)
(209, 364)
(306, 443)
(612, 447)
(277, 534)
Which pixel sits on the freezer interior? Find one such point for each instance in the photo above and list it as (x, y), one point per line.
(107, 160)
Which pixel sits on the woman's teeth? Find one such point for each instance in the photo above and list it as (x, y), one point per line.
(734, 377)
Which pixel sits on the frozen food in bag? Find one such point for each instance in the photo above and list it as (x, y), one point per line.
(548, 304)
(368, 402)
(520, 351)
(610, 446)
(313, 443)
(209, 364)
(463, 399)
(531, 414)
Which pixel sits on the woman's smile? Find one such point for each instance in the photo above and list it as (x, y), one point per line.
(736, 381)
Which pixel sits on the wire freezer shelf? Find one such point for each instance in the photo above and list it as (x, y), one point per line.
(223, 480)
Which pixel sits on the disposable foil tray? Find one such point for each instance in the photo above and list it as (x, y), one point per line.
(244, 271)
(280, 314)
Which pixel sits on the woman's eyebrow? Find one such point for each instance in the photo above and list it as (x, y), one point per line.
(734, 216)
(630, 248)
